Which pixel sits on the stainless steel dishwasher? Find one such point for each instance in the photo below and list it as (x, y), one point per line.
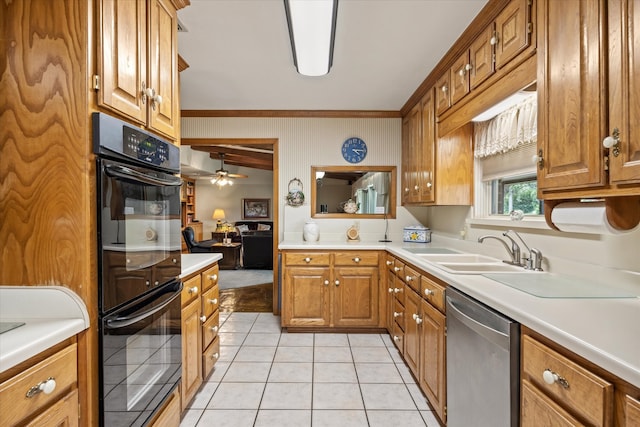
(483, 355)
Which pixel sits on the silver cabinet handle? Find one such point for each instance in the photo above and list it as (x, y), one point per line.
(551, 377)
(47, 387)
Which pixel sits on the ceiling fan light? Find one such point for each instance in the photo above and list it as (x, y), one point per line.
(312, 29)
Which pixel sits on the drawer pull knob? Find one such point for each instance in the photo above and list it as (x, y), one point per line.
(396, 314)
(307, 260)
(213, 277)
(397, 290)
(46, 387)
(214, 329)
(215, 356)
(337, 282)
(326, 283)
(418, 320)
(203, 319)
(396, 338)
(356, 260)
(193, 290)
(551, 377)
(408, 278)
(428, 292)
(396, 268)
(390, 290)
(389, 262)
(213, 301)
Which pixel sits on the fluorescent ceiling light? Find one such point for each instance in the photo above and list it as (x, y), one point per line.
(503, 105)
(312, 29)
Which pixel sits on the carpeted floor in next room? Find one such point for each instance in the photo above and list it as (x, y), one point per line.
(246, 290)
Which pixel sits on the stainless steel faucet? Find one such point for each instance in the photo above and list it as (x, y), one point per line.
(534, 260)
(514, 251)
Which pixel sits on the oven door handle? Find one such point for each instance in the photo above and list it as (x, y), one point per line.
(121, 322)
(117, 171)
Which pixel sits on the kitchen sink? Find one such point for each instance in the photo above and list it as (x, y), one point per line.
(430, 251)
(466, 263)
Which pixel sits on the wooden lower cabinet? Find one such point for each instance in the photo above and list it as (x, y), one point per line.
(332, 289)
(539, 410)
(412, 321)
(170, 414)
(632, 411)
(432, 378)
(200, 325)
(60, 407)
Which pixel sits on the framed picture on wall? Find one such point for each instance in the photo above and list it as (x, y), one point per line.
(255, 208)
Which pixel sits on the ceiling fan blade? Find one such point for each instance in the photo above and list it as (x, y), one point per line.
(237, 175)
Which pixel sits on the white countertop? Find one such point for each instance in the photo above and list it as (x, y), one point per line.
(194, 262)
(51, 315)
(604, 331)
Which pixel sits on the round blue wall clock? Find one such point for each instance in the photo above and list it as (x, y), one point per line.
(354, 150)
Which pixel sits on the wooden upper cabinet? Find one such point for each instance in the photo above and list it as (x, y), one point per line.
(138, 62)
(512, 29)
(624, 90)
(481, 58)
(571, 111)
(122, 57)
(412, 132)
(426, 169)
(163, 67)
(459, 78)
(454, 167)
(443, 93)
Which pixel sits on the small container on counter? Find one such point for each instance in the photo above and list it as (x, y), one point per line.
(417, 234)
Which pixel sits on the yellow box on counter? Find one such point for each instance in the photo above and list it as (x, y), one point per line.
(416, 233)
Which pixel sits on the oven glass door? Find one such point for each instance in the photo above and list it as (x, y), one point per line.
(139, 231)
(141, 357)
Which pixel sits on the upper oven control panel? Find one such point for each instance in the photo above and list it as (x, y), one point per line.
(113, 137)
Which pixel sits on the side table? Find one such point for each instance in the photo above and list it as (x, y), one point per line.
(230, 255)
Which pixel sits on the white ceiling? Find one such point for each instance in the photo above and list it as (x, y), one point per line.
(240, 58)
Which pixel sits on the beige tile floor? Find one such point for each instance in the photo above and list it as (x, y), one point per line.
(266, 377)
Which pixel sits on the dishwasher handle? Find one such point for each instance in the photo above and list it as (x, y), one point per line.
(499, 338)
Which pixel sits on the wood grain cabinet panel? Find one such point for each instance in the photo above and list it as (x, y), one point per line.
(459, 78)
(191, 351)
(355, 296)
(539, 410)
(512, 31)
(306, 296)
(481, 58)
(443, 93)
(632, 411)
(411, 331)
(432, 373)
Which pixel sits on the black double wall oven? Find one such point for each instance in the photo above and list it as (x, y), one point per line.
(140, 343)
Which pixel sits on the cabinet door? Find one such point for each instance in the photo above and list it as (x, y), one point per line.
(624, 89)
(433, 357)
(62, 413)
(460, 78)
(191, 351)
(512, 31)
(306, 296)
(632, 410)
(122, 57)
(411, 150)
(427, 154)
(407, 164)
(163, 67)
(481, 58)
(538, 410)
(355, 296)
(454, 167)
(570, 92)
(443, 89)
(411, 336)
(391, 278)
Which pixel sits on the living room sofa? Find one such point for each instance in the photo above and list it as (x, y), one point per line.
(257, 245)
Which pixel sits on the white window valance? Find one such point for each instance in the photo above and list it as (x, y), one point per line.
(510, 129)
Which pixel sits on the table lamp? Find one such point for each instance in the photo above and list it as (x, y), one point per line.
(219, 215)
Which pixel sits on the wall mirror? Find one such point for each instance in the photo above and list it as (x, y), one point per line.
(371, 188)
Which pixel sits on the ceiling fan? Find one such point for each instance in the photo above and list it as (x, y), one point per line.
(223, 177)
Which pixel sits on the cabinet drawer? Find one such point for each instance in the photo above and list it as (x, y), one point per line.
(210, 277)
(210, 329)
(412, 278)
(191, 289)
(540, 410)
(398, 268)
(432, 292)
(398, 314)
(210, 356)
(398, 337)
(306, 258)
(632, 411)
(210, 301)
(583, 393)
(389, 262)
(61, 366)
(356, 258)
